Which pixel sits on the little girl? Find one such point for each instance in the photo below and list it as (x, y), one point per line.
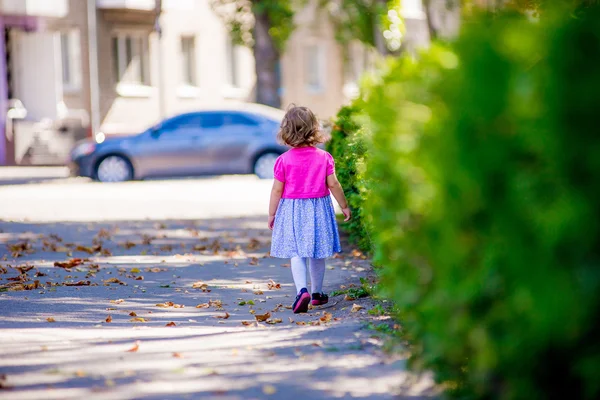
(301, 213)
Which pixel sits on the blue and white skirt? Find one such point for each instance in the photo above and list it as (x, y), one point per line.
(305, 228)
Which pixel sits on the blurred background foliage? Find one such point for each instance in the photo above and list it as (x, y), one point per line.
(473, 169)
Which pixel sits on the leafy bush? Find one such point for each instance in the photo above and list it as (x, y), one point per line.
(348, 147)
(485, 195)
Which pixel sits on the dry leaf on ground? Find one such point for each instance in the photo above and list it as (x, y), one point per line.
(272, 285)
(135, 347)
(119, 301)
(138, 319)
(269, 390)
(69, 264)
(177, 355)
(78, 283)
(108, 319)
(171, 324)
(24, 268)
(356, 308)
(274, 321)
(226, 316)
(254, 261)
(326, 317)
(262, 317)
(132, 314)
(203, 305)
(114, 280)
(50, 319)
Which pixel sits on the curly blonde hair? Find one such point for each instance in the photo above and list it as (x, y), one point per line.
(300, 128)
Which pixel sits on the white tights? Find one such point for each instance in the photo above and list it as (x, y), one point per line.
(317, 273)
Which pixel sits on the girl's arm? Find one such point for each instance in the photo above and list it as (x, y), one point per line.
(338, 192)
(276, 193)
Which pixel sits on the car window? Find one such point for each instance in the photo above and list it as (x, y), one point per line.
(182, 124)
(211, 120)
(239, 119)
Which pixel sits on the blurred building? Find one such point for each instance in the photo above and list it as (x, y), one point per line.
(76, 64)
(319, 72)
(71, 67)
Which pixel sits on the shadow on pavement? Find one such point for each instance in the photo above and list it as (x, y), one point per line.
(139, 265)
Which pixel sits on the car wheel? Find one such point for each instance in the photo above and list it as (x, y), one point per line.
(263, 166)
(114, 169)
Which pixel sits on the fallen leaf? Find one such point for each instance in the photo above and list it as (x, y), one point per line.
(254, 244)
(269, 390)
(135, 270)
(326, 317)
(258, 292)
(262, 317)
(200, 285)
(349, 298)
(78, 283)
(226, 316)
(356, 308)
(117, 301)
(128, 245)
(203, 305)
(108, 319)
(246, 323)
(69, 264)
(137, 319)
(139, 278)
(135, 347)
(272, 285)
(274, 321)
(102, 233)
(171, 324)
(300, 323)
(177, 355)
(291, 320)
(50, 319)
(114, 280)
(88, 250)
(132, 314)
(254, 261)
(25, 268)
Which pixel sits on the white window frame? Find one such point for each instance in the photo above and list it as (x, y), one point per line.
(321, 65)
(71, 77)
(141, 50)
(233, 64)
(193, 82)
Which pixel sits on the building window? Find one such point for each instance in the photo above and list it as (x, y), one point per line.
(70, 51)
(233, 63)
(130, 58)
(188, 60)
(315, 68)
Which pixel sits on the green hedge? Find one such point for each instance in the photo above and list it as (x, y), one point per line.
(348, 147)
(485, 203)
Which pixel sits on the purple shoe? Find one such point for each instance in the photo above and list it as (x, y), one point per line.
(318, 299)
(301, 303)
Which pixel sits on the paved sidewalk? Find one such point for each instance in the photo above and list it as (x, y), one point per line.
(59, 341)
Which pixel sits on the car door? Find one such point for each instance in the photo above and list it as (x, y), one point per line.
(173, 148)
(233, 138)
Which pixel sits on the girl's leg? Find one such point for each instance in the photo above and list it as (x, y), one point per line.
(299, 272)
(317, 274)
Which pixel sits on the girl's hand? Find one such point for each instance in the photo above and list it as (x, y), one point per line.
(271, 221)
(347, 214)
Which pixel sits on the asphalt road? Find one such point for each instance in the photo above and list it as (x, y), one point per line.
(187, 253)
